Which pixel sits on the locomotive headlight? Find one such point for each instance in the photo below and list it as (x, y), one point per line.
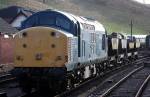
(38, 56)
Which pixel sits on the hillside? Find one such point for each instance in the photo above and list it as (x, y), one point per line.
(116, 15)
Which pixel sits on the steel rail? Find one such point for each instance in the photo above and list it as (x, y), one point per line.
(142, 88)
(121, 81)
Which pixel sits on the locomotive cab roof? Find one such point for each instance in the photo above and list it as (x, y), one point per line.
(62, 20)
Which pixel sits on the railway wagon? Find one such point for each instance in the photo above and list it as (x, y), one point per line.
(117, 48)
(131, 47)
(142, 39)
(113, 46)
(147, 45)
(139, 42)
(122, 51)
(60, 49)
(137, 47)
(147, 41)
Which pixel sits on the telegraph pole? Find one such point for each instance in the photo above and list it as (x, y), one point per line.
(131, 28)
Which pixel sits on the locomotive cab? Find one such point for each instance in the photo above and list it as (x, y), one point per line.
(43, 52)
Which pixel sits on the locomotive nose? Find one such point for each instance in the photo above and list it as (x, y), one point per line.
(40, 47)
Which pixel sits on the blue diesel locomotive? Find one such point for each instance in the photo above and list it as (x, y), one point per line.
(81, 45)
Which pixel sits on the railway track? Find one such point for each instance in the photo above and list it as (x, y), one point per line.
(3, 94)
(145, 91)
(131, 85)
(6, 77)
(83, 87)
(88, 83)
(142, 89)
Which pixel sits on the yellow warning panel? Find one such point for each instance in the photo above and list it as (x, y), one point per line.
(40, 47)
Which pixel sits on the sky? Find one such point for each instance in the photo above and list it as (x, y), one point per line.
(143, 1)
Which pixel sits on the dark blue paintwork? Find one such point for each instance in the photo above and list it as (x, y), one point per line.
(50, 18)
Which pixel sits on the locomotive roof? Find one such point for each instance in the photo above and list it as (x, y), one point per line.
(73, 18)
(82, 20)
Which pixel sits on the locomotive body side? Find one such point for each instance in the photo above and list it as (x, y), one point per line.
(93, 42)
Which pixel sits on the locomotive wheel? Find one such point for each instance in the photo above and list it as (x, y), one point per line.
(97, 70)
(26, 89)
(70, 83)
(25, 83)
